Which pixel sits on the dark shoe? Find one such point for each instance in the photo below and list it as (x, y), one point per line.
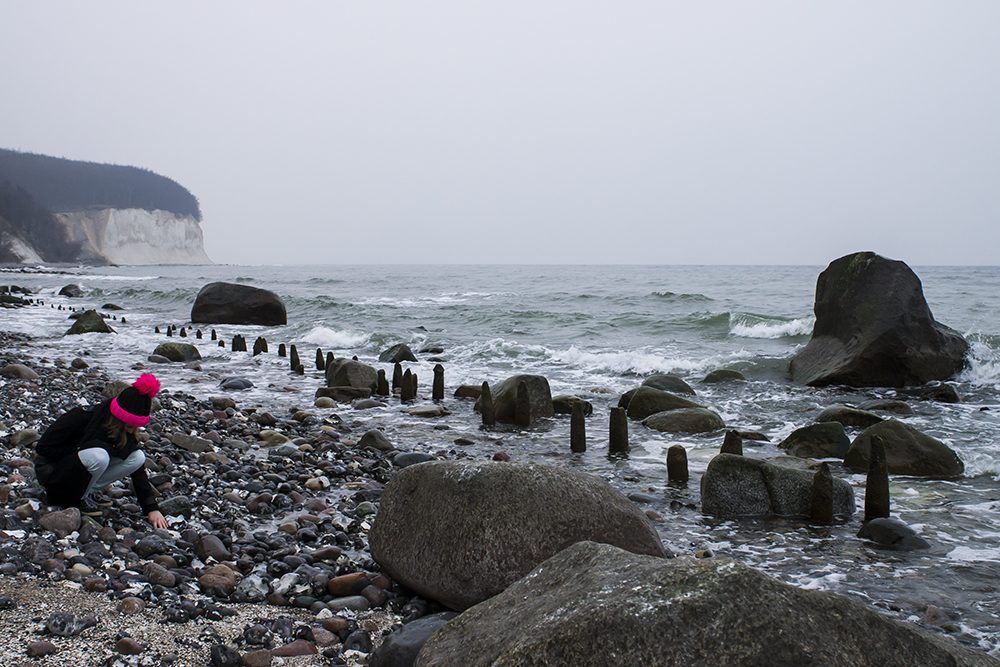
(101, 499)
(89, 508)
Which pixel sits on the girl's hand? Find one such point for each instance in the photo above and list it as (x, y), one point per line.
(157, 520)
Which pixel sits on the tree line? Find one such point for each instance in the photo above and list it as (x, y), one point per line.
(58, 184)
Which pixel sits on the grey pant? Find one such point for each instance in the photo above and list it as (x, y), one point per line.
(105, 469)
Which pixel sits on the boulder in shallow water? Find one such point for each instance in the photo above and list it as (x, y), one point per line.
(468, 391)
(235, 383)
(178, 352)
(907, 451)
(344, 394)
(504, 397)
(563, 405)
(72, 291)
(735, 486)
(89, 321)
(397, 354)
(646, 401)
(226, 303)
(670, 383)
(460, 532)
(592, 601)
(826, 440)
(894, 534)
(724, 375)
(886, 405)
(848, 416)
(874, 329)
(685, 420)
(350, 373)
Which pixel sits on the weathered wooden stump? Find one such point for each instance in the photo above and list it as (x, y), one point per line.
(578, 428)
(618, 431)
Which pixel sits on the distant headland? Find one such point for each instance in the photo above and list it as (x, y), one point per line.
(56, 210)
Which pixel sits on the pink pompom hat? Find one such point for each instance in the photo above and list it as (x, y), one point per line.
(132, 406)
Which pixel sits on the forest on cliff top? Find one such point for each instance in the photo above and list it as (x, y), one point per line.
(59, 185)
(33, 187)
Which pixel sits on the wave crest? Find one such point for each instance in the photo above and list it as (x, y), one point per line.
(749, 325)
(327, 338)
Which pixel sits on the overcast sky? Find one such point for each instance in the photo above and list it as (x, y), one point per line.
(533, 132)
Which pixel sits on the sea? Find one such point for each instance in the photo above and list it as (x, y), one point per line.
(596, 332)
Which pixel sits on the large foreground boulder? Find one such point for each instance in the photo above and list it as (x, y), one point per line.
(874, 329)
(460, 532)
(594, 605)
(505, 398)
(350, 373)
(226, 303)
(907, 451)
(740, 486)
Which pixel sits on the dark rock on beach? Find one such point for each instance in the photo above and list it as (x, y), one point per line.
(505, 398)
(892, 533)
(350, 373)
(400, 648)
(670, 383)
(907, 451)
(685, 420)
(648, 401)
(563, 405)
(397, 354)
(89, 321)
(461, 532)
(72, 291)
(227, 303)
(735, 486)
(824, 440)
(178, 352)
(592, 601)
(874, 329)
(848, 416)
(724, 375)
(19, 371)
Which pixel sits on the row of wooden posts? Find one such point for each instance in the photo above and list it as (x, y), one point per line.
(876, 488)
(78, 310)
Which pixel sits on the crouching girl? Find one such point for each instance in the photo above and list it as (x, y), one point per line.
(86, 450)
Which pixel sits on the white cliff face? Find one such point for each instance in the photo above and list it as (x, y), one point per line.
(25, 252)
(136, 236)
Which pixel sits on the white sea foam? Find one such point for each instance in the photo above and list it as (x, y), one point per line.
(752, 326)
(641, 362)
(92, 277)
(338, 340)
(984, 366)
(968, 554)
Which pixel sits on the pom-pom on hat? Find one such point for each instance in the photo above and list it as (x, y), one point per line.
(132, 406)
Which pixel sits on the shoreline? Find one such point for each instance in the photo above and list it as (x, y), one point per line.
(319, 520)
(279, 393)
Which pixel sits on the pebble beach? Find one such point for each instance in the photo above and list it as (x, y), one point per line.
(168, 597)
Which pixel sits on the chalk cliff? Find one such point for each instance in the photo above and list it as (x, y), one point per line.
(135, 236)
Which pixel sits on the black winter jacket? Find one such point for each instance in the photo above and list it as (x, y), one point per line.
(59, 469)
